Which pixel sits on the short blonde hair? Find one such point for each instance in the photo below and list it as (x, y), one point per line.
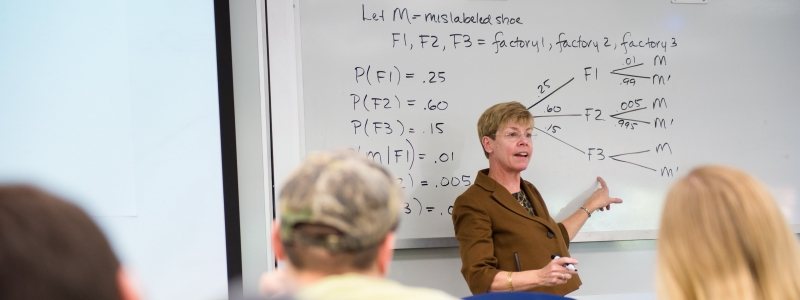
(500, 114)
(723, 237)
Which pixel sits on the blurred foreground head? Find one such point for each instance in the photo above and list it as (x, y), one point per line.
(335, 212)
(51, 249)
(722, 236)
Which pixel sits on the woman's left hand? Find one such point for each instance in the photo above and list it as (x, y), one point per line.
(600, 198)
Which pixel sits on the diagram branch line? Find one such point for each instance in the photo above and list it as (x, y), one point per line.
(565, 143)
(630, 153)
(634, 120)
(615, 116)
(614, 157)
(616, 72)
(563, 115)
(629, 111)
(548, 95)
(628, 67)
(631, 75)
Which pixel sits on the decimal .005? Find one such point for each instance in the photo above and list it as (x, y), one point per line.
(463, 180)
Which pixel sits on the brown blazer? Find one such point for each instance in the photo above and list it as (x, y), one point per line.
(491, 226)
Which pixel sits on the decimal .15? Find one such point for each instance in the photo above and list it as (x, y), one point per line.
(437, 128)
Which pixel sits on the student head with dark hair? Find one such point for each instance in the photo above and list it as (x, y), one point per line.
(51, 249)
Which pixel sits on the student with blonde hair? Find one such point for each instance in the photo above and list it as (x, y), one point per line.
(722, 236)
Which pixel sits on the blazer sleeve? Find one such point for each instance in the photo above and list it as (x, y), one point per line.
(473, 228)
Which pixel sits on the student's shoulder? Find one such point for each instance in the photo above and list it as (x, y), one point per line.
(474, 195)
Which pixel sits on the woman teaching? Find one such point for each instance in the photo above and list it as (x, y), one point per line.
(508, 240)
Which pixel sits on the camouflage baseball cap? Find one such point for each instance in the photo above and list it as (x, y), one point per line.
(342, 190)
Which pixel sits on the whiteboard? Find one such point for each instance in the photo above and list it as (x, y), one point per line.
(638, 92)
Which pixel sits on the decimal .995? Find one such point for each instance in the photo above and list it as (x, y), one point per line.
(627, 124)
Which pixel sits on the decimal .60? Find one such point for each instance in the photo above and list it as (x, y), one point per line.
(440, 105)
(464, 180)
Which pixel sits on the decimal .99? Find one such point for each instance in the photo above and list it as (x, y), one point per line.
(628, 81)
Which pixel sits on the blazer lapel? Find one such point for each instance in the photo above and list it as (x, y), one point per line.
(540, 210)
(505, 199)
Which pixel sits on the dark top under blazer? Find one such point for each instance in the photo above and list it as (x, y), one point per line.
(490, 226)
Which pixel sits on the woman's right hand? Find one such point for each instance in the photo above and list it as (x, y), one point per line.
(555, 272)
(600, 200)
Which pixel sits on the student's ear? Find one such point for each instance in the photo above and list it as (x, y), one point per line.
(385, 253)
(128, 288)
(277, 246)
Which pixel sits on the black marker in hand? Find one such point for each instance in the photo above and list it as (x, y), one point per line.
(570, 267)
